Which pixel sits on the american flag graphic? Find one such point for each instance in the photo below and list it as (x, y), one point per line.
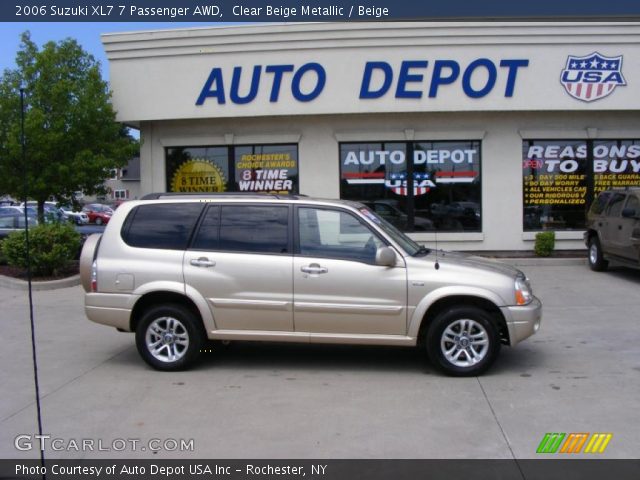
(397, 182)
(592, 77)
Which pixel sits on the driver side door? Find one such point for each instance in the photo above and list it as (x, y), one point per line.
(338, 288)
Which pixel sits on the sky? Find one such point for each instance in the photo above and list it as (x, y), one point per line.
(87, 34)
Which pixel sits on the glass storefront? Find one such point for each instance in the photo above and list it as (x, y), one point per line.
(560, 178)
(440, 189)
(241, 168)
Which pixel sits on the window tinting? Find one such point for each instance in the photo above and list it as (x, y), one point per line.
(255, 229)
(600, 203)
(208, 233)
(615, 205)
(164, 225)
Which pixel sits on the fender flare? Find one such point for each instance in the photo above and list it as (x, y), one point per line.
(444, 292)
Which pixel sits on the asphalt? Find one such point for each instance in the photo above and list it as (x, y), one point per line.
(580, 373)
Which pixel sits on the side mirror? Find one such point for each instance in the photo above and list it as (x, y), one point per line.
(630, 213)
(386, 257)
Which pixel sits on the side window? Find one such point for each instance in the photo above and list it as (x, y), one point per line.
(633, 203)
(163, 225)
(254, 228)
(614, 209)
(335, 234)
(600, 202)
(208, 236)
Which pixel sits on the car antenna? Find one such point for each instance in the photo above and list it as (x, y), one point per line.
(437, 265)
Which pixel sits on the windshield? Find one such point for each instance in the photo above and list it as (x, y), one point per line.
(400, 238)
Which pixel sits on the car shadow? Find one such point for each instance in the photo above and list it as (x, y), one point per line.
(291, 356)
(623, 272)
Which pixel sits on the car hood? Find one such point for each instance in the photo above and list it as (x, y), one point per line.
(474, 261)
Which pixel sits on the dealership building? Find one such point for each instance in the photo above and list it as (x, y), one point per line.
(485, 133)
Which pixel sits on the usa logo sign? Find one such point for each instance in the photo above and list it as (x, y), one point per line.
(592, 77)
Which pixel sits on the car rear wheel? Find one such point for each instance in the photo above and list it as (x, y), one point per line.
(169, 337)
(596, 260)
(463, 341)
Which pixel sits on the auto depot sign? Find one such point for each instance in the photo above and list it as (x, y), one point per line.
(412, 80)
(372, 68)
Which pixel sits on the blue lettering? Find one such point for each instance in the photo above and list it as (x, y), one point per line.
(278, 71)
(513, 66)
(614, 77)
(297, 78)
(215, 77)
(365, 88)
(437, 79)
(234, 95)
(491, 80)
(406, 77)
(566, 76)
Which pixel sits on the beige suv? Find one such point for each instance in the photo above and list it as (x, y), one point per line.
(180, 269)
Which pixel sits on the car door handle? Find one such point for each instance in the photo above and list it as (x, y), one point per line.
(314, 268)
(202, 262)
(619, 227)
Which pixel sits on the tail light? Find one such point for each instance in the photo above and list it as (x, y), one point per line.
(94, 276)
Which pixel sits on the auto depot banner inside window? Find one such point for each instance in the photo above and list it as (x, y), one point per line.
(561, 178)
(439, 189)
(238, 168)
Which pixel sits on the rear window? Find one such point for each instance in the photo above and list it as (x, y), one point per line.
(165, 226)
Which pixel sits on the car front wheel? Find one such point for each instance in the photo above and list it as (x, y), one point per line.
(596, 260)
(463, 341)
(169, 337)
(98, 221)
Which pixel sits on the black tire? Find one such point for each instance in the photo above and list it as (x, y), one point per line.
(479, 327)
(597, 263)
(98, 221)
(178, 324)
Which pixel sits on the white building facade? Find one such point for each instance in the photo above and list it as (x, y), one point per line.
(485, 133)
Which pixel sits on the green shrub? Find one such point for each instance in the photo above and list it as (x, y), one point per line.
(545, 243)
(53, 246)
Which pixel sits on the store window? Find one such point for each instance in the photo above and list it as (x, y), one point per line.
(243, 168)
(561, 178)
(440, 189)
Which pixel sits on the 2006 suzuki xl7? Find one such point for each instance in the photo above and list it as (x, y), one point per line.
(180, 269)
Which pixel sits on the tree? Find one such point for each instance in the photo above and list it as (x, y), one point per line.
(72, 138)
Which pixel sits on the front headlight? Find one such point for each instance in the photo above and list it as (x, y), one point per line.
(524, 294)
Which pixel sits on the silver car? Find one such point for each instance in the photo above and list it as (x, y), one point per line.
(180, 269)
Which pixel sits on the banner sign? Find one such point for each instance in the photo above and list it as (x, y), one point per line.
(315, 11)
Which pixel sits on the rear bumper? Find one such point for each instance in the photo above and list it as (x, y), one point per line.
(109, 309)
(523, 320)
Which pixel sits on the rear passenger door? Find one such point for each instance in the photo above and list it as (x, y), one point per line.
(241, 260)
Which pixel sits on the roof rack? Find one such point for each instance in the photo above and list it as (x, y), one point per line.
(161, 195)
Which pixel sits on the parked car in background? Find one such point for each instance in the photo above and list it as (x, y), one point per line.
(16, 211)
(13, 223)
(98, 213)
(51, 211)
(79, 218)
(613, 229)
(179, 270)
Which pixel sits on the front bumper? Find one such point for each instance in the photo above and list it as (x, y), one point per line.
(522, 320)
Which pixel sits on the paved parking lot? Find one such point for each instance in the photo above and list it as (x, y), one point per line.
(580, 373)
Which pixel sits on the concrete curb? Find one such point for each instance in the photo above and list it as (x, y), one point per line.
(17, 284)
(542, 262)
